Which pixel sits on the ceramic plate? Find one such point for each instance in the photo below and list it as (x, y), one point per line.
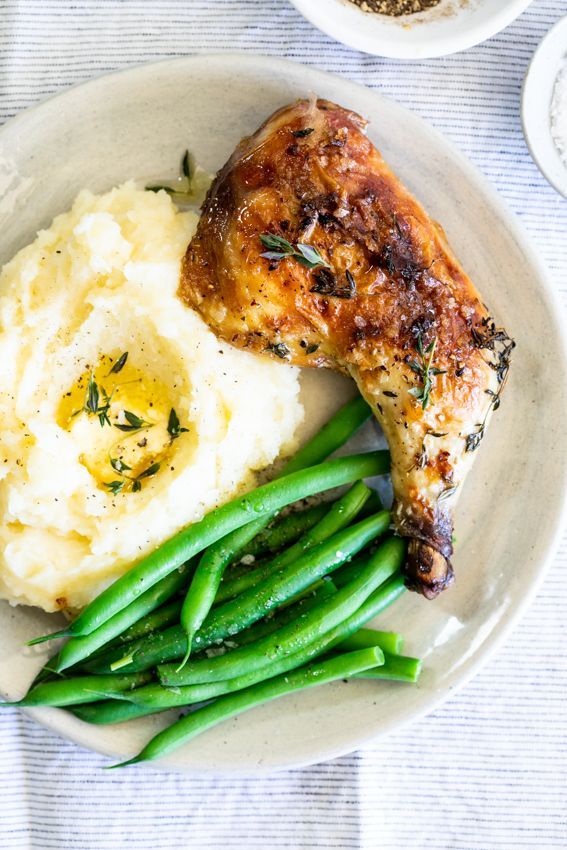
(135, 124)
(537, 97)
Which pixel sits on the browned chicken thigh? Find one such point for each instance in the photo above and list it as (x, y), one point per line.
(310, 250)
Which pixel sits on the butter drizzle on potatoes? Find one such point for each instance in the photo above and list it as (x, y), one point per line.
(197, 416)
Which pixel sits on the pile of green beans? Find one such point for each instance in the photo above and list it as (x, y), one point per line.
(205, 584)
(176, 631)
(338, 516)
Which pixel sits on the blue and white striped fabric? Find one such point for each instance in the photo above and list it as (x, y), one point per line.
(488, 771)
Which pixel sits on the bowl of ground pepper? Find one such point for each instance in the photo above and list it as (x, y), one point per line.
(411, 29)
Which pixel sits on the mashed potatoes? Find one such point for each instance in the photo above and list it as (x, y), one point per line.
(122, 417)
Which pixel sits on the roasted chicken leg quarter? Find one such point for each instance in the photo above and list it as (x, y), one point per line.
(309, 249)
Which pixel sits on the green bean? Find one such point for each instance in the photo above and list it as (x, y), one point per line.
(320, 584)
(170, 644)
(205, 584)
(82, 689)
(389, 642)
(351, 570)
(165, 616)
(79, 648)
(339, 515)
(110, 711)
(334, 433)
(373, 505)
(198, 721)
(293, 637)
(286, 614)
(285, 531)
(257, 601)
(218, 523)
(398, 668)
(203, 589)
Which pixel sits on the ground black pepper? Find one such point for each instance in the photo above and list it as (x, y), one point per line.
(395, 8)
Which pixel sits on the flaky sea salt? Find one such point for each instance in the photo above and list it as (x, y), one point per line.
(559, 112)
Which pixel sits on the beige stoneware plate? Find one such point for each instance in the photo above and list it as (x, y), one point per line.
(136, 124)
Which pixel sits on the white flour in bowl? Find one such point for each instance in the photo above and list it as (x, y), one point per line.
(559, 112)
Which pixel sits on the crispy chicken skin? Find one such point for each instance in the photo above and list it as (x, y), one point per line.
(393, 309)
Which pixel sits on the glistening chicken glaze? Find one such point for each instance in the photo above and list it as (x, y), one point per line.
(311, 175)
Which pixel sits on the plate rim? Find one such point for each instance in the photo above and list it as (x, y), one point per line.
(49, 718)
(527, 117)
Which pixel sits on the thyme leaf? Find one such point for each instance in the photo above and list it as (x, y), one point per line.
(133, 423)
(147, 473)
(280, 248)
(309, 257)
(174, 428)
(300, 134)
(277, 245)
(119, 364)
(91, 403)
(119, 465)
(115, 487)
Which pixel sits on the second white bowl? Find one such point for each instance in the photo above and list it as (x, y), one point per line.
(449, 27)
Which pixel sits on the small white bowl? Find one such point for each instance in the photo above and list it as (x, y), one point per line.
(451, 26)
(537, 95)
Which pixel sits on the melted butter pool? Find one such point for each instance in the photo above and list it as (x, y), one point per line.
(121, 419)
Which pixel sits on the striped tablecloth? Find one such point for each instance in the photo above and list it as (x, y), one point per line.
(488, 771)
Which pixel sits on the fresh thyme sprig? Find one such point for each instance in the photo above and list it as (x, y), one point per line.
(500, 344)
(117, 486)
(425, 370)
(279, 248)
